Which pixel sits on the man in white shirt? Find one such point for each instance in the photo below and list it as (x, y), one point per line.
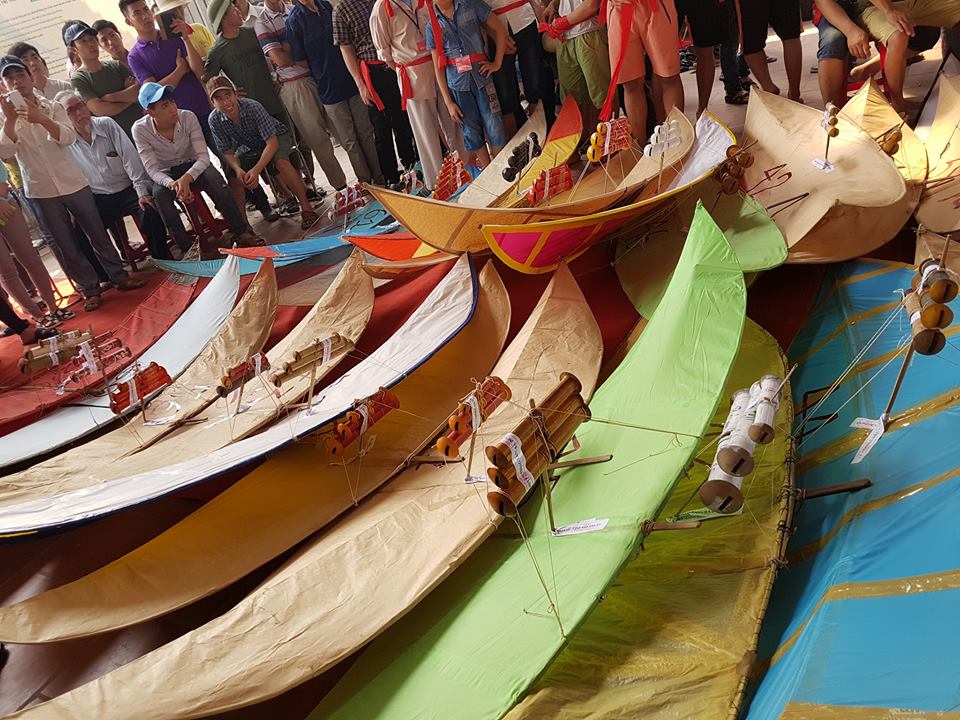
(45, 85)
(174, 153)
(38, 132)
(117, 177)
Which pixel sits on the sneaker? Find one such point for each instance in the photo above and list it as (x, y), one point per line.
(50, 320)
(290, 207)
(7, 332)
(128, 284)
(318, 194)
(65, 314)
(271, 215)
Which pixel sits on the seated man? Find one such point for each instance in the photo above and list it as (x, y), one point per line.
(175, 156)
(119, 182)
(252, 140)
(841, 38)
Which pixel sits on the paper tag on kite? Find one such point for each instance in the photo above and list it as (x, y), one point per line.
(327, 345)
(519, 461)
(88, 359)
(364, 418)
(471, 479)
(824, 165)
(54, 346)
(475, 418)
(257, 364)
(876, 429)
(584, 526)
(463, 64)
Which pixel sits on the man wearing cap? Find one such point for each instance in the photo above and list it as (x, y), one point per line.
(108, 88)
(43, 84)
(119, 182)
(298, 92)
(175, 156)
(398, 32)
(252, 140)
(310, 34)
(377, 84)
(38, 132)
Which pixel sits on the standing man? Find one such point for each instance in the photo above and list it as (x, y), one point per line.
(108, 88)
(526, 46)
(398, 30)
(167, 61)
(298, 91)
(37, 131)
(249, 12)
(376, 83)
(310, 34)
(111, 41)
(119, 182)
(45, 85)
(176, 159)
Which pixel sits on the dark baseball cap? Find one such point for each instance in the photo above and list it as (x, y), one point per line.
(11, 61)
(76, 30)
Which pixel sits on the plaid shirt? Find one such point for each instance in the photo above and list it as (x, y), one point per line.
(351, 26)
(251, 135)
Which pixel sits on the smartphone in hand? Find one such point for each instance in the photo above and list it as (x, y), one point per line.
(16, 98)
(166, 22)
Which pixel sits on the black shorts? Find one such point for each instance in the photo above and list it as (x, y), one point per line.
(756, 15)
(708, 21)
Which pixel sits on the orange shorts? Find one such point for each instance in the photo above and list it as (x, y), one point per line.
(651, 33)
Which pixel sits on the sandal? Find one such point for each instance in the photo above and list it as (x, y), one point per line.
(65, 314)
(741, 98)
(92, 303)
(308, 219)
(49, 320)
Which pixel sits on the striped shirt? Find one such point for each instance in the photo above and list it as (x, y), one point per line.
(271, 29)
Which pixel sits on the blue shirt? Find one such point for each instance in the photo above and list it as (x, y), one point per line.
(461, 36)
(251, 135)
(110, 161)
(310, 35)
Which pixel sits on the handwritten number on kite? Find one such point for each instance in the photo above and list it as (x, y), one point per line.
(772, 179)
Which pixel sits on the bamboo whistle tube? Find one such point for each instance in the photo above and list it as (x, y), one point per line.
(528, 431)
(938, 282)
(307, 358)
(926, 340)
(552, 405)
(492, 393)
(538, 461)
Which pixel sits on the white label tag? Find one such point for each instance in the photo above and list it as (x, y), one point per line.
(470, 479)
(584, 526)
(364, 418)
(474, 410)
(132, 386)
(54, 345)
(88, 359)
(824, 165)
(876, 429)
(257, 364)
(327, 346)
(519, 461)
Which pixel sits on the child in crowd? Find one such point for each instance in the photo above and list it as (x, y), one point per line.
(464, 77)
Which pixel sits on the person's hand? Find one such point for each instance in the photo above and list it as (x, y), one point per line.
(558, 27)
(489, 68)
(146, 201)
(455, 114)
(180, 27)
(249, 178)
(550, 12)
(9, 109)
(901, 21)
(511, 47)
(182, 188)
(183, 67)
(31, 113)
(365, 95)
(7, 209)
(859, 43)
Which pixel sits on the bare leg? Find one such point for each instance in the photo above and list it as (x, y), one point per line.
(239, 194)
(757, 62)
(896, 69)
(635, 103)
(291, 178)
(706, 71)
(868, 69)
(510, 124)
(480, 159)
(672, 91)
(832, 76)
(793, 61)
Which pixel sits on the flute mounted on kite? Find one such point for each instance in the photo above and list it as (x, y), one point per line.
(749, 423)
(521, 156)
(347, 200)
(453, 175)
(731, 170)
(549, 183)
(357, 421)
(144, 383)
(610, 137)
(473, 410)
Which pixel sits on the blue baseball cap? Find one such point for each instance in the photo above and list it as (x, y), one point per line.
(76, 30)
(152, 92)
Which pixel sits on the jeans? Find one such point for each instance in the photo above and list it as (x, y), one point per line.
(729, 64)
(212, 183)
(9, 318)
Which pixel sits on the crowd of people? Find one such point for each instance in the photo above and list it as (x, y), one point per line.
(267, 88)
